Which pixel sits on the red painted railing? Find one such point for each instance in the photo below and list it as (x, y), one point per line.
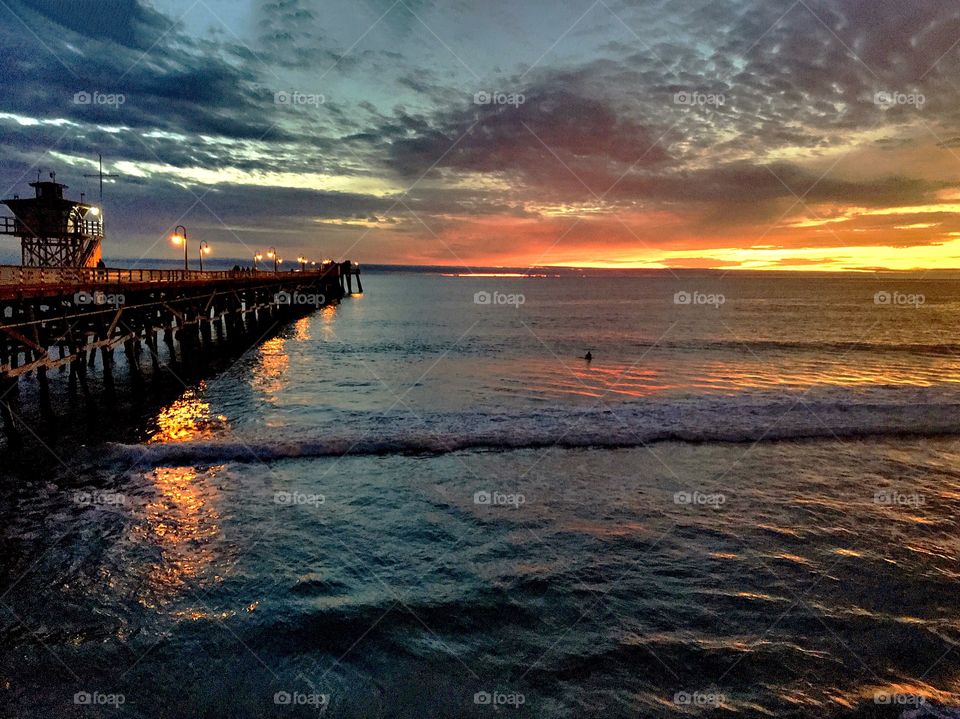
(18, 276)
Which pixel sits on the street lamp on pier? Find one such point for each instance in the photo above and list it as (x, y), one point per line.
(204, 250)
(179, 237)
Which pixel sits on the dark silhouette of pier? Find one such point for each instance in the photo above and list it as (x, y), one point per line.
(62, 308)
(51, 318)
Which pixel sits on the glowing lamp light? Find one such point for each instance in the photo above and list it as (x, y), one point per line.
(179, 237)
(94, 211)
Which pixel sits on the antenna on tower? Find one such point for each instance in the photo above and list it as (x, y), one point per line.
(101, 176)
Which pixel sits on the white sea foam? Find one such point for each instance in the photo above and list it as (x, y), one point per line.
(916, 412)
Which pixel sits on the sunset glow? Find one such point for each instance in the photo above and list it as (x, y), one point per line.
(735, 135)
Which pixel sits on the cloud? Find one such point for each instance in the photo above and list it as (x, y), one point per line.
(126, 23)
(599, 138)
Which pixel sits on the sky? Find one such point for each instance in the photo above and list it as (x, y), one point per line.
(733, 134)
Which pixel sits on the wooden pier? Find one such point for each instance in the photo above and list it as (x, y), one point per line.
(51, 317)
(62, 307)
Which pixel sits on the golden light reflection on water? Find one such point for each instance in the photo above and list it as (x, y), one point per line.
(188, 418)
(301, 329)
(270, 371)
(905, 693)
(327, 316)
(182, 523)
(847, 553)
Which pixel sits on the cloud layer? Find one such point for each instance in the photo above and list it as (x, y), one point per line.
(729, 133)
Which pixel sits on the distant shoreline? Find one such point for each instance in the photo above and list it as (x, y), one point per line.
(227, 263)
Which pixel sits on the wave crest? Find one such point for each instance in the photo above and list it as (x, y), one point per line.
(729, 419)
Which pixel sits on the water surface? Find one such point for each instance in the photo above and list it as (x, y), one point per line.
(412, 503)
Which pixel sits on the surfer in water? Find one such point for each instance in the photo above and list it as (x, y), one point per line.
(588, 356)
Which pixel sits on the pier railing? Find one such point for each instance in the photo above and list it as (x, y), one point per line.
(13, 226)
(15, 275)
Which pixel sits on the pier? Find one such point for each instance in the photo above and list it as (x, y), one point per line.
(62, 309)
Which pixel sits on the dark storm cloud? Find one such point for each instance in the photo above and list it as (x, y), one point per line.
(191, 90)
(127, 23)
(524, 138)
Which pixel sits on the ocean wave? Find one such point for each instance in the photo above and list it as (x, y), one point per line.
(631, 424)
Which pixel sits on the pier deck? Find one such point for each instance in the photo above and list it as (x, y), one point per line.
(18, 283)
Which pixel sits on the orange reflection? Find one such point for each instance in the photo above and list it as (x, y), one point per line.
(187, 418)
(327, 316)
(907, 692)
(656, 375)
(183, 524)
(274, 361)
(301, 329)
(496, 274)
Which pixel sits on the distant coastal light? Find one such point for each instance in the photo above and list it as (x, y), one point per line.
(495, 274)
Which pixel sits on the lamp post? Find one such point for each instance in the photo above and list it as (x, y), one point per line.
(272, 253)
(179, 236)
(303, 263)
(204, 250)
(256, 258)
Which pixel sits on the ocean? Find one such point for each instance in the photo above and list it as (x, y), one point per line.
(425, 502)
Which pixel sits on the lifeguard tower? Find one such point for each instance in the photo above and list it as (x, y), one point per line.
(54, 231)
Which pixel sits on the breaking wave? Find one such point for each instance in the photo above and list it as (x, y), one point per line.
(916, 412)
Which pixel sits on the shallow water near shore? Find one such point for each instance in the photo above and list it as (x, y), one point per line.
(419, 503)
